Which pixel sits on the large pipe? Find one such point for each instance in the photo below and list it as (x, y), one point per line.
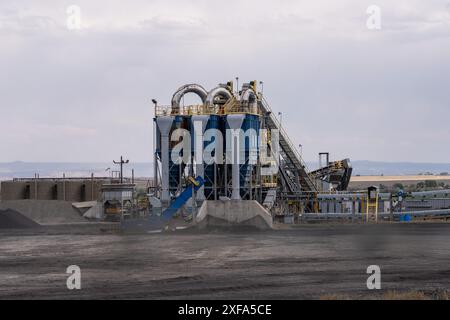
(235, 123)
(194, 88)
(164, 125)
(219, 91)
(430, 193)
(199, 130)
(349, 196)
(249, 96)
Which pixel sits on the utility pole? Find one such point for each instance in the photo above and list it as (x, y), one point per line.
(121, 163)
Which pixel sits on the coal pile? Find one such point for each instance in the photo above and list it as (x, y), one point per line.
(11, 219)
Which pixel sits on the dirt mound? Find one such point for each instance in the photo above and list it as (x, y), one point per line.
(233, 214)
(44, 211)
(11, 219)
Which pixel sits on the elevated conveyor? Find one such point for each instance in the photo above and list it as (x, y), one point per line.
(337, 173)
(293, 161)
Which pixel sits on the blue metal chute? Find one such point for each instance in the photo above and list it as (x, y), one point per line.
(154, 222)
(181, 200)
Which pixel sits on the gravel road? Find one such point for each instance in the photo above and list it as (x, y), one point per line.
(306, 262)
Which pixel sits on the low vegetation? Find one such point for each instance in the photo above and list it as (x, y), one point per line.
(394, 295)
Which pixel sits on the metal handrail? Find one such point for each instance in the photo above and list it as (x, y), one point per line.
(287, 139)
(198, 109)
(231, 107)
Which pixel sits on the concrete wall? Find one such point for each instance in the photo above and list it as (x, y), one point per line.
(45, 211)
(43, 190)
(11, 190)
(48, 189)
(93, 190)
(71, 191)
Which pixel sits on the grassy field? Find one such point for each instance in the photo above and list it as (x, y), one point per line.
(366, 181)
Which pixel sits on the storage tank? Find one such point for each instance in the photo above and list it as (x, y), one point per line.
(164, 126)
(198, 127)
(235, 151)
(43, 190)
(13, 190)
(212, 138)
(176, 169)
(71, 190)
(94, 189)
(250, 127)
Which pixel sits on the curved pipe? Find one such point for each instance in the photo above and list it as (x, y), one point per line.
(194, 88)
(219, 91)
(249, 96)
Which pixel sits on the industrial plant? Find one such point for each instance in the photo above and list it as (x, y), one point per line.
(230, 192)
(200, 151)
(226, 162)
(250, 158)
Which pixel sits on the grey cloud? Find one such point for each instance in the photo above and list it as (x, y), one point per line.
(82, 96)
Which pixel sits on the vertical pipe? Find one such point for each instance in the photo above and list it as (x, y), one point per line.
(194, 211)
(251, 185)
(235, 122)
(35, 186)
(226, 179)
(180, 177)
(164, 125)
(92, 186)
(155, 155)
(215, 181)
(165, 168)
(64, 186)
(199, 129)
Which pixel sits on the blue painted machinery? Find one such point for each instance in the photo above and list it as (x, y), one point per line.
(158, 223)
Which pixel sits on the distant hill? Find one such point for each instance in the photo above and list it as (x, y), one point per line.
(47, 169)
(53, 170)
(398, 168)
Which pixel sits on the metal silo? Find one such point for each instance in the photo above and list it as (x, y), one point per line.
(213, 144)
(164, 126)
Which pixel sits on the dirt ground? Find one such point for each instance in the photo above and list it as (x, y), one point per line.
(307, 262)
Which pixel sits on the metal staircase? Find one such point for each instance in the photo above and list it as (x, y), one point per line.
(294, 161)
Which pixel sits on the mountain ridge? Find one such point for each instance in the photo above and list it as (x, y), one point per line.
(20, 169)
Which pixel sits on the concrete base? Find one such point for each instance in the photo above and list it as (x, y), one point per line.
(233, 213)
(45, 211)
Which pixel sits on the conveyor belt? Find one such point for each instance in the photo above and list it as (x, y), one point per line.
(337, 172)
(290, 154)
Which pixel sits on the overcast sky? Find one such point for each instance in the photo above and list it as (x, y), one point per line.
(85, 95)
